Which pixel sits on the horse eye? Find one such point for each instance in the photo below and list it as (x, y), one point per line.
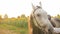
(38, 14)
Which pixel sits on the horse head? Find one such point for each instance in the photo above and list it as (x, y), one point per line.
(39, 18)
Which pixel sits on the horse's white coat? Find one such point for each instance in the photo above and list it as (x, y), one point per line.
(42, 20)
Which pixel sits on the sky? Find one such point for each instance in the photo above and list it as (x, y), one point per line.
(14, 8)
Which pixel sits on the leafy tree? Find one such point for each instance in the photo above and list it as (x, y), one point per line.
(23, 16)
(18, 17)
(58, 16)
(5, 16)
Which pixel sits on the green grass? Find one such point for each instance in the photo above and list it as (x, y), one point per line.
(14, 28)
(6, 26)
(19, 26)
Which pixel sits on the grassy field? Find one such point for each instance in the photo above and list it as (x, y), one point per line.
(14, 27)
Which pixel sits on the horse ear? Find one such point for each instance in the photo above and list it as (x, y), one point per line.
(40, 4)
(33, 6)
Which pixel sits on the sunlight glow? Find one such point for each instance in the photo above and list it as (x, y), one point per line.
(14, 8)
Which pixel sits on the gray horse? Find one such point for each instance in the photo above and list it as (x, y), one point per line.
(40, 23)
(54, 21)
